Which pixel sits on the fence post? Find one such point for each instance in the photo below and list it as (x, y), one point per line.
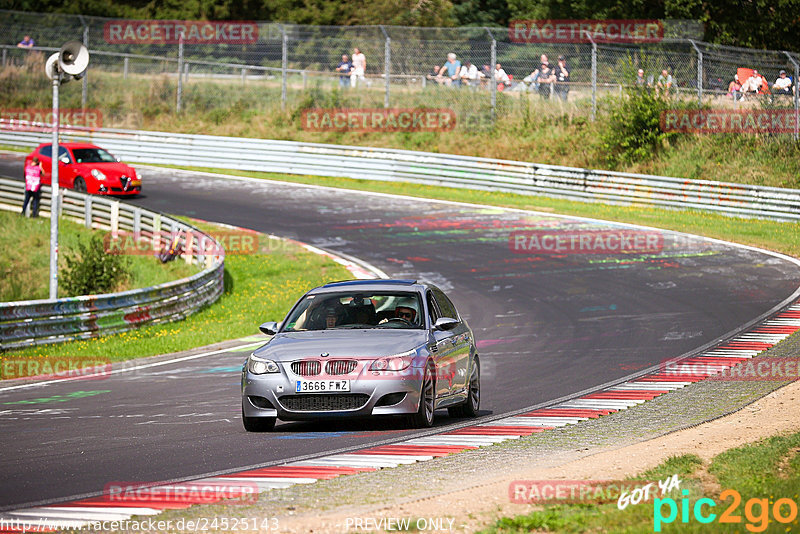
(387, 64)
(699, 73)
(87, 212)
(594, 77)
(85, 85)
(492, 81)
(284, 65)
(796, 96)
(180, 73)
(125, 68)
(244, 75)
(5, 56)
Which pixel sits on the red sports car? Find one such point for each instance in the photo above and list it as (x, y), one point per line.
(87, 168)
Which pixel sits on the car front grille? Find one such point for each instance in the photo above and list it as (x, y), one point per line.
(340, 367)
(323, 403)
(306, 367)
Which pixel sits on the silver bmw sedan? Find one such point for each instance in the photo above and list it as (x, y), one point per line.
(363, 348)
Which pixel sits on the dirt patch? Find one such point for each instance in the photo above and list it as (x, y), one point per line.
(477, 506)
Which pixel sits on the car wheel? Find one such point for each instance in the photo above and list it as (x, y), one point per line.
(427, 398)
(79, 185)
(473, 404)
(257, 424)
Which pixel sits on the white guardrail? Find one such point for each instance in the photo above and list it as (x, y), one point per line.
(36, 322)
(430, 169)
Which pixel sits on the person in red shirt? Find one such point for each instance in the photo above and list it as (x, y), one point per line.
(33, 187)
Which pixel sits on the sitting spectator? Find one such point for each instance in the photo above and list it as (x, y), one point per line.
(27, 42)
(501, 77)
(735, 88)
(561, 74)
(469, 74)
(753, 84)
(452, 70)
(640, 81)
(434, 75)
(344, 67)
(664, 84)
(782, 85)
(533, 77)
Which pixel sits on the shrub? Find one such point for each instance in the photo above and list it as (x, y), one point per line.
(92, 270)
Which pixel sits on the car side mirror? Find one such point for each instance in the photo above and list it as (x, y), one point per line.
(445, 323)
(270, 328)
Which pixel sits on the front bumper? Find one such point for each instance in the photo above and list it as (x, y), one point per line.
(273, 395)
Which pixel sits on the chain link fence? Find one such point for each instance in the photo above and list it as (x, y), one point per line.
(295, 67)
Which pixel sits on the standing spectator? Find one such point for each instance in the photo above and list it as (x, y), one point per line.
(469, 74)
(345, 66)
(735, 88)
(546, 79)
(359, 67)
(452, 68)
(561, 74)
(33, 187)
(664, 84)
(27, 42)
(782, 85)
(501, 77)
(533, 77)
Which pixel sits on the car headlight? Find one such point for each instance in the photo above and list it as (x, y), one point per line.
(397, 362)
(99, 175)
(260, 366)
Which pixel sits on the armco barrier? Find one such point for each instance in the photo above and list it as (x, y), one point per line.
(429, 168)
(37, 322)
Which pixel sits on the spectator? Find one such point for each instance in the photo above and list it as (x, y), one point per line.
(469, 74)
(359, 69)
(735, 88)
(27, 42)
(664, 84)
(501, 77)
(533, 77)
(486, 75)
(546, 79)
(33, 187)
(434, 75)
(345, 66)
(753, 84)
(452, 68)
(641, 83)
(561, 74)
(782, 85)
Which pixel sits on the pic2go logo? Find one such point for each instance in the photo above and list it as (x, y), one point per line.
(756, 511)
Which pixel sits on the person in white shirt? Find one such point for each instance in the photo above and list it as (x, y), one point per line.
(500, 75)
(753, 83)
(783, 85)
(469, 74)
(359, 67)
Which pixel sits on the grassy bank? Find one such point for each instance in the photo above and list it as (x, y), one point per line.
(258, 287)
(761, 474)
(781, 237)
(528, 128)
(25, 258)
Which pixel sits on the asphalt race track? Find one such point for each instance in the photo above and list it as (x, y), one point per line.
(547, 324)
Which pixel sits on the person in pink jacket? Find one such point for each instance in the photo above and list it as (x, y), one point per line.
(33, 187)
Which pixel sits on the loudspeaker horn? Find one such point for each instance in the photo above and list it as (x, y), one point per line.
(51, 66)
(73, 58)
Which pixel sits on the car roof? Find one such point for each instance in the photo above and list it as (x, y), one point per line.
(383, 284)
(72, 145)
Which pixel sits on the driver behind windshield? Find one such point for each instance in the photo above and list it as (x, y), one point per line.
(407, 309)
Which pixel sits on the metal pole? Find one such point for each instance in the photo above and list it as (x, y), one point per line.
(125, 68)
(387, 64)
(284, 66)
(594, 78)
(699, 73)
(796, 96)
(243, 76)
(54, 198)
(180, 73)
(85, 87)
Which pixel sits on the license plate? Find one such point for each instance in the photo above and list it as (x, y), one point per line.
(321, 386)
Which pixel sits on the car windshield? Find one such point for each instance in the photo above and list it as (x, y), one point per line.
(92, 155)
(356, 310)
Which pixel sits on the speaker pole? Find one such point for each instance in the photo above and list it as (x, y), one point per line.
(54, 198)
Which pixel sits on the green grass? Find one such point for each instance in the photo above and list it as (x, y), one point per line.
(258, 288)
(769, 469)
(781, 237)
(25, 258)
